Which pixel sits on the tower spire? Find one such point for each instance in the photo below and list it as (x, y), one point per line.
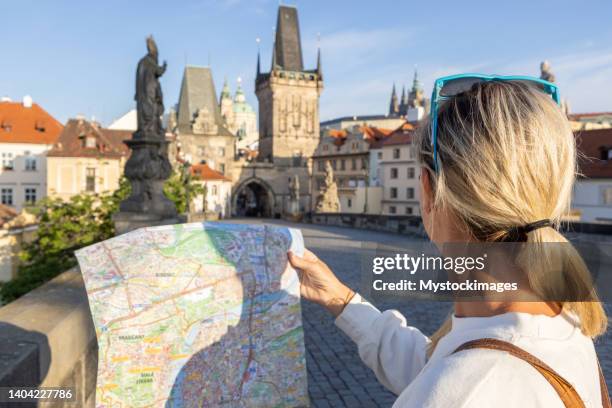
(257, 40)
(393, 106)
(319, 67)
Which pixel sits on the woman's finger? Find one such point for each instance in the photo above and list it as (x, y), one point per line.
(298, 262)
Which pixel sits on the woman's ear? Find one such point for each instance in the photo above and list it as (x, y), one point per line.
(426, 191)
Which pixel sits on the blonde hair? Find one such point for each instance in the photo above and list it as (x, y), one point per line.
(506, 158)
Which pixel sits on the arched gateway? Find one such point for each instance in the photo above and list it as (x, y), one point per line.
(253, 198)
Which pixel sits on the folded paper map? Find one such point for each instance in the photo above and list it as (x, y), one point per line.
(197, 315)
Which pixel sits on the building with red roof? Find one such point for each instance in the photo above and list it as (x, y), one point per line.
(397, 171)
(27, 132)
(592, 199)
(86, 158)
(217, 194)
(348, 151)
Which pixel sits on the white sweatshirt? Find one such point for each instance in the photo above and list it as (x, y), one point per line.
(473, 378)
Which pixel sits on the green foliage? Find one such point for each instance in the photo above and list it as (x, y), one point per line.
(180, 187)
(64, 226)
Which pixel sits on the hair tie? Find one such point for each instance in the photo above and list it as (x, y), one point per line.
(519, 234)
(532, 226)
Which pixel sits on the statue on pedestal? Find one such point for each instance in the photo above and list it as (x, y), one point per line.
(545, 72)
(148, 166)
(294, 197)
(328, 199)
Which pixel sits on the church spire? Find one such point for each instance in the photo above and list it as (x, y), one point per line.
(319, 67)
(393, 105)
(258, 63)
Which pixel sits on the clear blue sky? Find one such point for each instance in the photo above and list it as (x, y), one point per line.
(79, 56)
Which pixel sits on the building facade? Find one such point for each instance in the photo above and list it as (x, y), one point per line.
(592, 195)
(348, 152)
(86, 159)
(218, 190)
(27, 132)
(399, 172)
(199, 127)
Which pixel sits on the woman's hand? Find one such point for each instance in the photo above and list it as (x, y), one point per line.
(319, 284)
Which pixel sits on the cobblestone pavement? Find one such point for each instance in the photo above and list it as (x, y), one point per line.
(336, 375)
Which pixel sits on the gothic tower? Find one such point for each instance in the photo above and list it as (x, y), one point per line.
(288, 98)
(393, 104)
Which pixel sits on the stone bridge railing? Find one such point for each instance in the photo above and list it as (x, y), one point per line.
(47, 339)
(412, 224)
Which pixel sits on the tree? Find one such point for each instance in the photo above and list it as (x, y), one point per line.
(181, 188)
(63, 227)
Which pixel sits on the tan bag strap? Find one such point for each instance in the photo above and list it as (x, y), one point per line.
(564, 389)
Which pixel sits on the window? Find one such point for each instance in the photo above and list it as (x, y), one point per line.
(321, 165)
(214, 190)
(411, 152)
(7, 161)
(90, 142)
(201, 150)
(392, 210)
(333, 163)
(393, 192)
(379, 155)
(408, 210)
(607, 195)
(6, 196)
(349, 203)
(409, 193)
(396, 153)
(90, 179)
(325, 148)
(394, 172)
(221, 151)
(354, 164)
(30, 195)
(364, 164)
(411, 172)
(342, 165)
(222, 168)
(30, 163)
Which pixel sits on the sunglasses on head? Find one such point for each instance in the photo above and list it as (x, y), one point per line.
(451, 86)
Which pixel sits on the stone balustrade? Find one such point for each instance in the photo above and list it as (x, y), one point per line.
(47, 339)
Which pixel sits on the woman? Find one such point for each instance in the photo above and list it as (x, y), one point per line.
(499, 166)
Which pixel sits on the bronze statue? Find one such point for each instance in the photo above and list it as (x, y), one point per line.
(148, 166)
(149, 97)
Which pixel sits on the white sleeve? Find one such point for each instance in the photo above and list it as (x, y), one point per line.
(394, 351)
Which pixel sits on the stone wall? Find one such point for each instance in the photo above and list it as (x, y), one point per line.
(412, 224)
(404, 224)
(47, 339)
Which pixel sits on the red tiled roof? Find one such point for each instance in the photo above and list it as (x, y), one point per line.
(375, 133)
(109, 142)
(6, 214)
(401, 135)
(593, 146)
(19, 124)
(204, 172)
(578, 116)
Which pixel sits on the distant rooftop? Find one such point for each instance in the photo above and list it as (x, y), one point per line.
(27, 122)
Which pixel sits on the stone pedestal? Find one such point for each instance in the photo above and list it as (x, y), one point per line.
(129, 221)
(147, 169)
